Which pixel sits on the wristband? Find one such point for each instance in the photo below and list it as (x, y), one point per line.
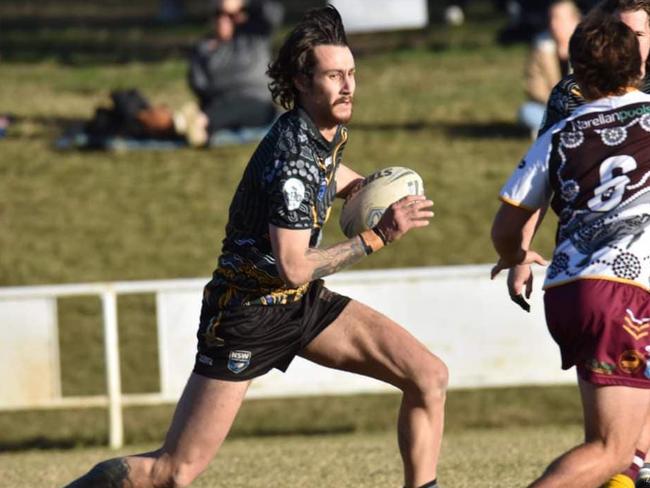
(371, 241)
(381, 234)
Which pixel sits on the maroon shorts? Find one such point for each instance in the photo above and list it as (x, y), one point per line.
(603, 328)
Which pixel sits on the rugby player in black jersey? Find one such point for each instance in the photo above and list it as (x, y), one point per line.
(267, 303)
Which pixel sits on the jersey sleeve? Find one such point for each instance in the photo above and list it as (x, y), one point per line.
(565, 97)
(529, 185)
(293, 188)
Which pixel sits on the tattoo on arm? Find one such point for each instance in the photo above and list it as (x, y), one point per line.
(113, 473)
(329, 261)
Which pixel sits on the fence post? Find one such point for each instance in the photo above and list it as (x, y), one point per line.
(111, 350)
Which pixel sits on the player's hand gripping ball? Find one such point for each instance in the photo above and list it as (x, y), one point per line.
(363, 208)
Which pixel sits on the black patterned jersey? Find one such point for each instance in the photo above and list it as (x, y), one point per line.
(289, 182)
(565, 98)
(594, 170)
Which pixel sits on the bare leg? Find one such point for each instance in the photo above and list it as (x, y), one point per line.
(614, 417)
(364, 341)
(644, 439)
(202, 419)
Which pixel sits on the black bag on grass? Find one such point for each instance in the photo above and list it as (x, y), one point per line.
(122, 118)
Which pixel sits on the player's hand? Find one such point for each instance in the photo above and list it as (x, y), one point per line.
(353, 188)
(520, 285)
(408, 213)
(523, 257)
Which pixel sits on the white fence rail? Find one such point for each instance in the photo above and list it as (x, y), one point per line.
(456, 311)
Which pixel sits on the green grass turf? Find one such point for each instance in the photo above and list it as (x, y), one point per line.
(496, 408)
(511, 456)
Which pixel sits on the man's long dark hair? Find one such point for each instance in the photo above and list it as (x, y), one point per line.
(321, 26)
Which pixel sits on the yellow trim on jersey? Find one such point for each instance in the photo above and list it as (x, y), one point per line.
(576, 91)
(598, 277)
(344, 138)
(516, 204)
(327, 215)
(314, 215)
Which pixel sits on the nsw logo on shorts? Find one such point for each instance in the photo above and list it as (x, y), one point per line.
(238, 361)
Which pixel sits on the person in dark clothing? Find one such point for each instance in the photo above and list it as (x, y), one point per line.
(227, 70)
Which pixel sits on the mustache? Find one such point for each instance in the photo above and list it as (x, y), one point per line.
(343, 100)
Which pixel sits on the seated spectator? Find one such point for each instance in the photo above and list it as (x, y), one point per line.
(227, 74)
(548, 61)
(228, 69)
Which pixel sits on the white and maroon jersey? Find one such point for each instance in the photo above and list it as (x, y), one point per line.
(593, 168)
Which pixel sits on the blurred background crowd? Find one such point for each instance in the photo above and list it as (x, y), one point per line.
(226, 64)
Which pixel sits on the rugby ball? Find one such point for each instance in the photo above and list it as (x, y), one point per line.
(363, 209)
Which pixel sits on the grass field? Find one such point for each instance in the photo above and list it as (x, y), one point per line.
(474, 457)
(442, 102)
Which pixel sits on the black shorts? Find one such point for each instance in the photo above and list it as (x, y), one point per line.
(246, 342)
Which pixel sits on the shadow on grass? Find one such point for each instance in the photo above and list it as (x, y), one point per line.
(47, 121)
(43, 127)
(468, 130)
(486, 130)
(410, 126)
(304, 431)
(42, 443)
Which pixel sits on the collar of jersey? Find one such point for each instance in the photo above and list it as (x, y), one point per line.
(611, 102)
(315, 133)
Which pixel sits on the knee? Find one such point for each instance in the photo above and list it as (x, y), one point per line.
(429, 379)
(621, 458)
(184, 475)
(616, 455)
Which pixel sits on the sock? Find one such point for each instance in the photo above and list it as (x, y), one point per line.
(644, 472)
(637, 463)
(431, 484)
(619, 481)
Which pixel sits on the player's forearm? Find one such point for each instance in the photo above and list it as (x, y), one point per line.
(324, 262)
(530, 229)
(513, 230)
(508, 241)
(509, 248)
(317, 263)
